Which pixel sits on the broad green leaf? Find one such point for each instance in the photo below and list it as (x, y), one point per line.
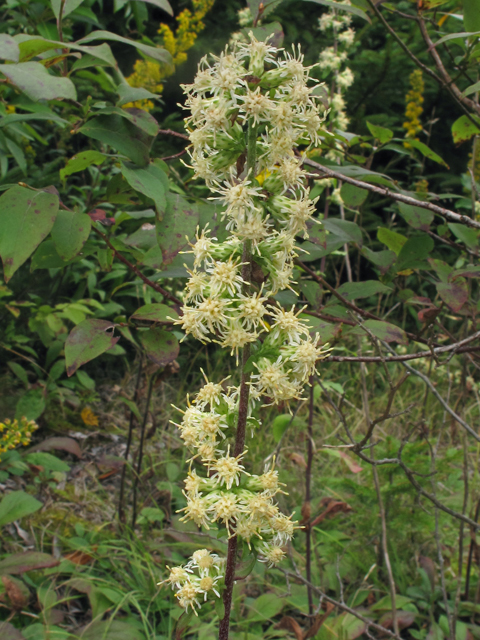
(416, 217)
(393, 240)
(414, 252)
(471, 15)
(342, 7)
(68, 7)
(37, 83)
(178, 223)
(161, 4)
(463, 129)
(132, 94)
(87, 341)
(272, 30)
(155, 312)
(282, 422)
(8, 48)
(344, 230)
(16, 505)
(31, 405)
(138, 117)
(473, 88)
(47, 461)
(19, 563)
(157, 53)
(356, 290)
(382, 259)
(454, 294)
(160, 346)
(455, 36)
(31, 46)
(121, 135)
(26, 218)
(19, 371)
(13, 118)
(81, 161)
(464, 234)
(426, 151)
(383, 331)
(351, 627)
(265, 607)
(150, 181)
(312, 292)
(353, 196)
(46, 257)
(382, 134)
(108, 630)
(70, 232)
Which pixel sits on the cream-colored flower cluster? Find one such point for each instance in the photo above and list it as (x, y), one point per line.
(332, 61)
(251, 108)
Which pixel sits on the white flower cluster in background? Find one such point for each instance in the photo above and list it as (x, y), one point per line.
(251, 95)
(332, 62)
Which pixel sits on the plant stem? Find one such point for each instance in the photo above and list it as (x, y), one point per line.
(151, 380)
(224, 627)
(308, 497)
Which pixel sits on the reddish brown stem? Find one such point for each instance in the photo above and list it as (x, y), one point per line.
(308, 497)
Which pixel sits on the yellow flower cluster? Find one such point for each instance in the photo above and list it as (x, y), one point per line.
(414, 108)
(15, 433)
(148, 74)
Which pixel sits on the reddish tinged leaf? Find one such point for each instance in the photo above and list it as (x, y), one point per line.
(64, 444)
(155, 312)
(290, 624)
(318, 621)
(428, 566)
(8, 632)
(19, 563)
(298, 459)
(454, 294)
(79, 557)
(17, 593)
(427, 316)
(160, 346)
(405, 619)
(87, 341)
(99, 215)
(351, 463)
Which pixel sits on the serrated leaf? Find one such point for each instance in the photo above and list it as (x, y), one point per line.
(160, 346)
(26, 218)
(87, 341)
(155, 312)
(37, 83)
(16, 505)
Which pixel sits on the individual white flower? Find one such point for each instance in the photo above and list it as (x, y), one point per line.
(225, 277)
(274, 381)
(196, 286)
(331, 60)
(206, 584)
(346, 37)
(247, 528)
(345, 78)
(287, 325)
(303, 355)
(256, 105)
(272, 555)
(234, 336)
(209, 394)
(187, 597)
(197, 510)
(251, 309)
(228, 469)
(225, 506)
(284, 527)
(177, 577)
(325, 21)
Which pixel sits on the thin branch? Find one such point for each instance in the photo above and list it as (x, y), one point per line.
(170, 132)
(137, 271)
(383, 191)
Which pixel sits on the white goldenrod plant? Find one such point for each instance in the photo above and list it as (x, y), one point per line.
(251, 108)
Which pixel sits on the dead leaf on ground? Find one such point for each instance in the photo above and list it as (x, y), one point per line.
(79, 557)
(297, 458)
(17, 593)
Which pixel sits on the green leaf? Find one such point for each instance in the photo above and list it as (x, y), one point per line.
(161, 4)
(8, 48)
(16, 505)
(382, 259)
(157, 53)
(456, 36)
(19, 563)
(46, 257)
(463, 129)
(265, 607)
(178, 223)
(150, 181)
(87, 341)
(132, 94)
(47, 461)
(393, 240)
(342, 7)
(70, 232)
(272, 30)
(160, 346)
(31, 405)
(26, 117)
(344, 230)
(355, 290)
(121, 135)
(425, 151)
(468, 236)
(138, 117)
(282, 422)
(19, 371)
(26, 218)
(471, 15)
(473, 88)
(382, 134)
(353, 196)
(68, 7)
(351, 627)
(454, 294)
(109, 630)
(81, 161)
(414, 252)
(155, 313)
(416, 217)
(383, 331)
(172, 470)
(34, 80)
